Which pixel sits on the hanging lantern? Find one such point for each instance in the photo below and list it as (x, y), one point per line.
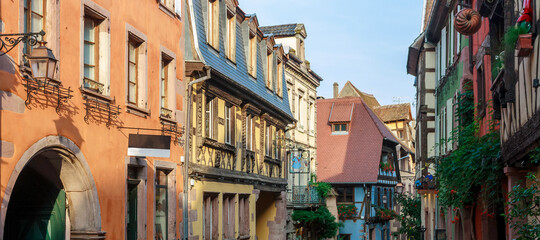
(467, 21)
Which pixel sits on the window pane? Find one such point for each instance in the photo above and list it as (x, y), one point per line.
(161, 213)
(37, 6)
(37, 23)
(344, 127)
(161, 177)
(131, 50)
(132, 73)
(89, 72)
(89, 53)
(132, 93)
(88, 29)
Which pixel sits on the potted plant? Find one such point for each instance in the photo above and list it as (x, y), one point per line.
(519, 37)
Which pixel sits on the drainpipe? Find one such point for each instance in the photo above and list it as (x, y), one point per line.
(185, 217)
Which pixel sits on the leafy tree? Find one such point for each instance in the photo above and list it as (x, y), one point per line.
(409, 217)
(321, 221)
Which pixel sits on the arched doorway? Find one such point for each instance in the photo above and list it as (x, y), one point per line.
(53, 194)
(37, 208)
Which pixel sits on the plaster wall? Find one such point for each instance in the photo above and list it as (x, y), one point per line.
(105, 148)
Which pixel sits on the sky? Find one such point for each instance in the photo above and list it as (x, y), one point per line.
(365, 42)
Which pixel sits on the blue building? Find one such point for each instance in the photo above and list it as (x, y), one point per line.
(357, 155)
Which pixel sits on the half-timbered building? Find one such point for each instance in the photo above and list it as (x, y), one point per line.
(357, 155)
(239, 114)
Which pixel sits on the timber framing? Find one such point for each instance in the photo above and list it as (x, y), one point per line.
(224, 175)
(517, 147)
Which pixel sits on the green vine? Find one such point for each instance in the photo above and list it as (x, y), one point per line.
(524, 204)
(471, 171)
(323, 189)
(410, 216)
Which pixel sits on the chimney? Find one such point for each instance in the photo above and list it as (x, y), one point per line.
(336, 89)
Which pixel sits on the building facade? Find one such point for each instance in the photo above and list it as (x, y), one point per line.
(240, 113)
(302, 83)
(67, 171)
(357, 155)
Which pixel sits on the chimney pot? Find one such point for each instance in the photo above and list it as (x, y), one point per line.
(336, 89)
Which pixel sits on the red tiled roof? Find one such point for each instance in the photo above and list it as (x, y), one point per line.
(351, 158)
(341, 112)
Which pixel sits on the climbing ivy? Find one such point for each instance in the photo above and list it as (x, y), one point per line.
(323, 189)
(471, 171)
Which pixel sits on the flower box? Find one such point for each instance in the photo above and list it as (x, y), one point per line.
(524, 45)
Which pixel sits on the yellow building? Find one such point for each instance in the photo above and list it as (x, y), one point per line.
(239, 114)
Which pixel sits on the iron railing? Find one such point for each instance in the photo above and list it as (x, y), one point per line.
(304, 195)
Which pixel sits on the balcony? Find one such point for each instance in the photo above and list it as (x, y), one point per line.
(304, 195)
(426, 185)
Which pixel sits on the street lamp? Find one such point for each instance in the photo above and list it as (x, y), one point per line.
(43, 63)
(399, 188)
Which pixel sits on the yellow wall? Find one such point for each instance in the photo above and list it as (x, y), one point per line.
(266, 211)
(201, 187)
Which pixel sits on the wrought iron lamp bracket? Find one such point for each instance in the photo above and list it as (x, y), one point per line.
(9, 41)
(52, 88)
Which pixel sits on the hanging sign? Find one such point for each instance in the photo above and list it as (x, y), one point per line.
(149, 145)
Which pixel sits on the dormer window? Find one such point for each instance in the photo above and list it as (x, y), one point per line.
(212, 36)
(279, 89)
(269, 70)
(230, 29)
(340, 128)
(252, 63)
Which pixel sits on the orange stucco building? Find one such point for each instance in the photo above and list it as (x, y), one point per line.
(120, 72)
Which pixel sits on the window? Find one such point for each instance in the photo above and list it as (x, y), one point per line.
(96, 50)
(268, 135)
(91, 54)
(277, 144)
(252, 63)
(209, 117)
(243, 216)
(249, 132)
(210, 216)
(480, 91)
(165, 76)
(229, 124)
(134, 68)
(344, 237)
(310, 117)
(213, 24)
(269, 66)
(228, 216)
(161, 211)
(345, 194)
(231, 35)
(379, 196)
(279, 89)
(299, 110)
(34, 14)
(339, 128)
(167, 3)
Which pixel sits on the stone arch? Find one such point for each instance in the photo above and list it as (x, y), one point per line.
(81, 193)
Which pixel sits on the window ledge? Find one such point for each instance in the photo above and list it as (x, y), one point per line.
(230, 61)
(141, 112)
(212, 48)
(168, 120)
(168, 11)
(85, 91)
(340, 133)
